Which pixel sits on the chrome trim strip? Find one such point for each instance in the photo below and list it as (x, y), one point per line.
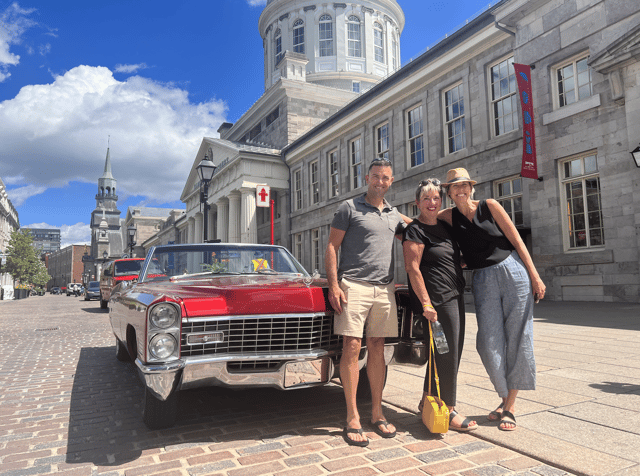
(254, 316)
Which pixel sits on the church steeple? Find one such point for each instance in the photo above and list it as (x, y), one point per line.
(106, 197)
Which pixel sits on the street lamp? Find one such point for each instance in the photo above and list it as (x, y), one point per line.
(206, 168)
(105, 255)
(635, 153)
(131, 231)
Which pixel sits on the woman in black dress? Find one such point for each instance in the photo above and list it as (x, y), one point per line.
(436, 287)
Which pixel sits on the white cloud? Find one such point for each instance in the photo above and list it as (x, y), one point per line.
(14, 22)
(56, 133)
(256, 3)
(78, 234)
(130, 68)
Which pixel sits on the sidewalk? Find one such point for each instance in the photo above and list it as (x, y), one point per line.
(584, 415)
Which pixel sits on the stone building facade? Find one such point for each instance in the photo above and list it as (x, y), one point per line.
(457, 105)
(9, 223)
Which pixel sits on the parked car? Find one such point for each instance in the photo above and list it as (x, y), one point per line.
(55, 290)
(202, 315)
(73, 288)
(92, 291)
(115, 272)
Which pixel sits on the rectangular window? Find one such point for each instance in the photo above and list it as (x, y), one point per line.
(582, 210)
(454, 119)
(334, 186)
(315, 179)
(255, 131)
(355, 86)
(297, 188)
(325, 35)
(273, 115)
(412, 210)
(416, 141)
(298, 36)
(382, 141)
(297, 246)
(508, 193)
(355, 153)
(354, 45)
(574, 81)
(378, 43)
(315, 249)
(504, 97)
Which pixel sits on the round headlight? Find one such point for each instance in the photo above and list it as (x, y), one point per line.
(164, 316)
(162, 346)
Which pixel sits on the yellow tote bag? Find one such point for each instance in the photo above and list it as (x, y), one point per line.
(435, 414)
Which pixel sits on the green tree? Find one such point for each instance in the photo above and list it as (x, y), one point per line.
(42, 276)
(22, 259)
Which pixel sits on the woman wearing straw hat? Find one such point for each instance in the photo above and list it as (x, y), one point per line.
(505, 286)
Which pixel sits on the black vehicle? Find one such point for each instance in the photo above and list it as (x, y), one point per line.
(56, 290)
(92, 291)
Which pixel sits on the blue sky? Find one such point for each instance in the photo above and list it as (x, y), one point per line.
(149, 79)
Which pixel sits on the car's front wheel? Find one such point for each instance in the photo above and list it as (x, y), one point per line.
(158, 414)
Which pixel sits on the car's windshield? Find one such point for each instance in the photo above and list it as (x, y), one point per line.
(94, 285)
(128, 268)
(174, 262)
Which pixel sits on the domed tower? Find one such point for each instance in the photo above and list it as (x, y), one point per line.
(348, 46)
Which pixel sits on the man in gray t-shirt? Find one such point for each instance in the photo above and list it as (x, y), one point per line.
(362, 291)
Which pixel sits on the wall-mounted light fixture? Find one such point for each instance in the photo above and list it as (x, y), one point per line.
(635, 153)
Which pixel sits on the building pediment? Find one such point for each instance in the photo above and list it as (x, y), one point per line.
(621, 52)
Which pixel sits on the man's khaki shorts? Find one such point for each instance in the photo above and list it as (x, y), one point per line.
(370, 305)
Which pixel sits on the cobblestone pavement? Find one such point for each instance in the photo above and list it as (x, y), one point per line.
(67, 406)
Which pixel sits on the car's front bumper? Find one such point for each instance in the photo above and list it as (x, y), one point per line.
(298, 370)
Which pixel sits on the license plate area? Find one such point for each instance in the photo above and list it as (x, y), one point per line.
(307, 372)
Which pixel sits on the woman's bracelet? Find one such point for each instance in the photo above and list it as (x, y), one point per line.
(424, 306)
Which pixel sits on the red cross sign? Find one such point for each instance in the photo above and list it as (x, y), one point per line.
(263, 192)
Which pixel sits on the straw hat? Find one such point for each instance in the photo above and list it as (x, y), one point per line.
(458, 175)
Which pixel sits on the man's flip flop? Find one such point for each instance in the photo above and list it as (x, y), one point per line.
(465, 424)
(379, 431)
(507, 417)
(351, 441)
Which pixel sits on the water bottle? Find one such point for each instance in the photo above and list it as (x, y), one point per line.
(438, 338)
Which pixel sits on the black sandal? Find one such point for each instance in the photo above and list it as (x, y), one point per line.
(507, 417)
(465, 424)
(351, 441)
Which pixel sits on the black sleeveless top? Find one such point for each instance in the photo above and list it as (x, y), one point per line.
(481, 240)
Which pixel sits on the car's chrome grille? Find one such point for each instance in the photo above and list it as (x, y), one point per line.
(251, 335)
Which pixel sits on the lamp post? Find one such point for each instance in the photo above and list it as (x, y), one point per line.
(131, 231)
(635, 153)
(206, 168)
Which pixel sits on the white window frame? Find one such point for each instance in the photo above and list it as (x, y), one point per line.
(356, 165)
(508, 192)
(314, 179)
(382, 140)
(355, 86)
(378, 42)
(503, 94)
(334, 173)
(354, 37)
(454, 118)
(325, 43)
(277, 47)
(297, 189)
(580, 168)
(415, 136)
(583, 90)
(315, 250)
(298, 36)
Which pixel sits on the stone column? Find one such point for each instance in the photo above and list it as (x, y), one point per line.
(234, 217)
(249, 232)
(198, 230)
(223, 220)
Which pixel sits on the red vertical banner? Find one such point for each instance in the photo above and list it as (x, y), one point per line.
(529, 160)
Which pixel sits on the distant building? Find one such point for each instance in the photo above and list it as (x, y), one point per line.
(148, 222)
(66, 266)
(8, 223)
(45, 240)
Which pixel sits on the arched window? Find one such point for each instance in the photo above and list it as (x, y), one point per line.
(354, 37)
(277, 39)
(325, 30)
(298, 36)
(378, 42)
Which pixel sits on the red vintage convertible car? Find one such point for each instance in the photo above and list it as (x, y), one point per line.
(233, 315)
